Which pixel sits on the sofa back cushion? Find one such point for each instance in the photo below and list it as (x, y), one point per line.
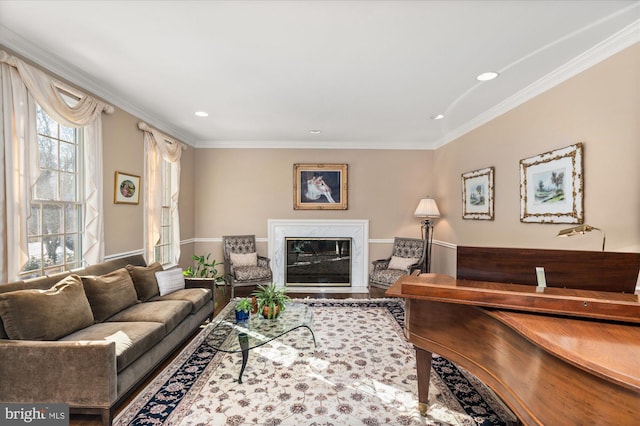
(144, 280)
(46, 314)
(110, 293)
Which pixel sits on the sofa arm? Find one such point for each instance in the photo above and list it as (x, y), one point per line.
(81, 374)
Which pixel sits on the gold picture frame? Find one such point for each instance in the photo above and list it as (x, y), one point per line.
(551, 187)
(126, 189)
(319, 186)
(478, 194)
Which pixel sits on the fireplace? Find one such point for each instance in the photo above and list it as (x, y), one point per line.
(356, 232)
(318, 261)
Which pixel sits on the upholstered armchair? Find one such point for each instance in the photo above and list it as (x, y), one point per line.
(407, 256)
(242, 264)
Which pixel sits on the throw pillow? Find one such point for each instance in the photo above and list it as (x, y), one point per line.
(46, 314)
(144, 279)
(401, 263)
(170, 281)
(110, 293)
(244, 259)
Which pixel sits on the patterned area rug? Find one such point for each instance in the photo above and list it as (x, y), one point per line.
(362, 372)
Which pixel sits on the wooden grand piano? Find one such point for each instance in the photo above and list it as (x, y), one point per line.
(567, 354)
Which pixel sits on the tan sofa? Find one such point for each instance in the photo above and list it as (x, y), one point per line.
(88, 338)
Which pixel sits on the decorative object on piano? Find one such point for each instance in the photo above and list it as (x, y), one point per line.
(581, 230)
(320, 187)
(551, 187)
(428, 209)
(477, 194)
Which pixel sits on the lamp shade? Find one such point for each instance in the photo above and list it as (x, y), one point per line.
(427, 208)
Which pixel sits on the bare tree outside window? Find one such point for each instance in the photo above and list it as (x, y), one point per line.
(55, 224)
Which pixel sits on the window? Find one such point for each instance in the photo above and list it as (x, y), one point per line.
(55, 224)
(164, 246)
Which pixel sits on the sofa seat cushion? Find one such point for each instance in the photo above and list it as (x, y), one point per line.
(198, 297)
(386, 276)
(167, 312)
(249, 273)
(110, 293)
(46, 314)
(132, 339)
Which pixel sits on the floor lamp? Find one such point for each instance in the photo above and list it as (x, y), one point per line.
(427, 209)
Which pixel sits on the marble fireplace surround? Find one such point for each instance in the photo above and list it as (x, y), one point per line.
(357, 230)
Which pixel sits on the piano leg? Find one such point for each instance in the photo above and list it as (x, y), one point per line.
(423, 367)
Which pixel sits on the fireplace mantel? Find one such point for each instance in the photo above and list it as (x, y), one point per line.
(357, 230)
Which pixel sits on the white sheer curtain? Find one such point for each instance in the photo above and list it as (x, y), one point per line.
(22, 87)
(159, 148)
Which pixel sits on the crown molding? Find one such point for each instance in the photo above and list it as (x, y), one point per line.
(598, 53)
(394, 145)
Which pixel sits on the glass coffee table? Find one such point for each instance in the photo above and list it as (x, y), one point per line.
(257, 331)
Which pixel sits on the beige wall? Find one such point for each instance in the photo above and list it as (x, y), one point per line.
(238, 190)
(123, 151)
(599, 107)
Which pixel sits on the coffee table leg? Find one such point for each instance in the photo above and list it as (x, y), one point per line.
(244, 344)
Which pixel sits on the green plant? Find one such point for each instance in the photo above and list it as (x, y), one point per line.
(271, 297)
(204, 268)
(244, 305)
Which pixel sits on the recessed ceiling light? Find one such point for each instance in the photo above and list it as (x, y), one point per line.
(437, 117)
(202, 114)
(486, 76)
(315, 132)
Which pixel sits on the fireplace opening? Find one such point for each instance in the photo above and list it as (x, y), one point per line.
(318, 261)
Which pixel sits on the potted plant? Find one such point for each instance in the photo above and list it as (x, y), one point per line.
(205, 272)
(243, 307)
(271, 300)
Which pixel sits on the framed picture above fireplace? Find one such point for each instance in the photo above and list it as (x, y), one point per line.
(319, 186)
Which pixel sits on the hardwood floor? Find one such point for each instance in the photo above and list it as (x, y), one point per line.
(222, 297)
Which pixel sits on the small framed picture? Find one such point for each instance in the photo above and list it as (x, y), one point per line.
(551, 187)
(127, 189)
(477, 194)
(319, 186)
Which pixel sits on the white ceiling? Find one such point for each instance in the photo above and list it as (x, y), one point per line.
(368, 74)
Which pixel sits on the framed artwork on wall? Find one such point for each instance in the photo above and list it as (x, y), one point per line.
(126, 189)
(319, 186)
(478, 194)
(551, 187)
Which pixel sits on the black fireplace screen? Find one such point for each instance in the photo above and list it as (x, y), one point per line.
(318, 262)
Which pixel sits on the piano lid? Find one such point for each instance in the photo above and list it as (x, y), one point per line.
(548, 300)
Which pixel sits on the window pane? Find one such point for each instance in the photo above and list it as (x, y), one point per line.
(46, 126)
(71, 249)
(71, 215)
(48, 151)
(68, 188)
(166, 217)
(53, 251)
(35, 255)
(67, 157)
(47, 185)
(52, 219)
(67, 134)
(33, 223)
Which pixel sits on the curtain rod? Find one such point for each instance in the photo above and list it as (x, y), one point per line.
(12, 60)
